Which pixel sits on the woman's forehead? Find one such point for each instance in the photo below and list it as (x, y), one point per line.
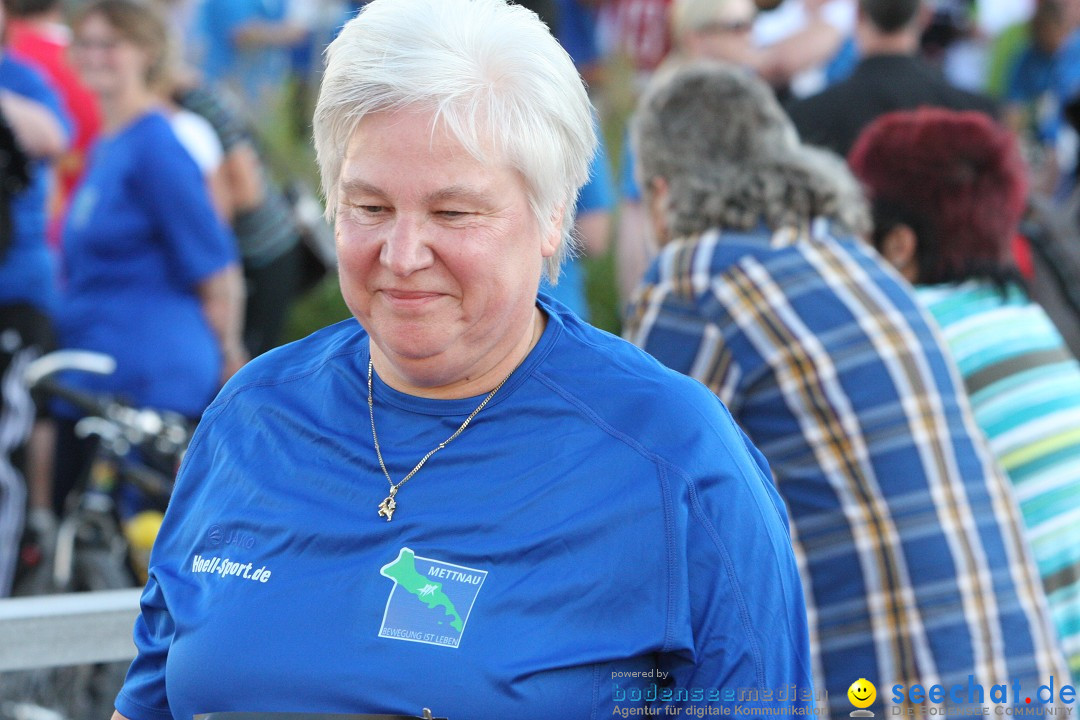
(406, 133)
(405, 155)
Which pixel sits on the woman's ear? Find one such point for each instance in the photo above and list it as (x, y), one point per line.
(898, 246)
(554, 237)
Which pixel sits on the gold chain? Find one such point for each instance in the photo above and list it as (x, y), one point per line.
(388, 505)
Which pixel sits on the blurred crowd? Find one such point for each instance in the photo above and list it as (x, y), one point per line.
(144, 216)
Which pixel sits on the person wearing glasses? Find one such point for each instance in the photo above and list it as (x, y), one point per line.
(151, 275)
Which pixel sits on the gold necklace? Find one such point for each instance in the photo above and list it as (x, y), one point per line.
(389, 504)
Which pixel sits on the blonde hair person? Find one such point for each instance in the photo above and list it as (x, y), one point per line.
(714, 29)
(701, 30)
(140, 24)
(151, 274)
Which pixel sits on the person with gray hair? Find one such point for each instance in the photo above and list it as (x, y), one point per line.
(566, 528)
(909, 538)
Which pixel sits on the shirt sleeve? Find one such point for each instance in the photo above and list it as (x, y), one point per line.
(175, 193)
(143, 695)
(745, 614)
(628, 186)
(199, 139)
(28, 82)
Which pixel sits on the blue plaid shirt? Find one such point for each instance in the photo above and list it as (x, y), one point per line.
(908, 536)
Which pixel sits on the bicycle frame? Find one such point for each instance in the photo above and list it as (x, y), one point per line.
(136, 448)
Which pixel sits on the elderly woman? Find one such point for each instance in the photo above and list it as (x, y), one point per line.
(948, 193)
(465, 498)
(913, 569)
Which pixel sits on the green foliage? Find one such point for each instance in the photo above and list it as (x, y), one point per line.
(601, 292)
(322, 306)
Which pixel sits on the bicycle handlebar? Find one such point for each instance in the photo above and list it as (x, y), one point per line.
(54, 362)
(87, 402)
(136, 426)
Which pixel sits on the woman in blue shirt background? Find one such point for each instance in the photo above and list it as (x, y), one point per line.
(151, 273)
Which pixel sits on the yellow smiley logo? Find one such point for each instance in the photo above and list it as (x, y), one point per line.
(862, 693)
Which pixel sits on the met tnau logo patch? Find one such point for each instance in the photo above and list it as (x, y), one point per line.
(430, 601)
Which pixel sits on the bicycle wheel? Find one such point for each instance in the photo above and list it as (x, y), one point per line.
(78, 692)
(87, 692)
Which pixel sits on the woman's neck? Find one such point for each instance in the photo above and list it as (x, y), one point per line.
(119, 110)
(422, 384)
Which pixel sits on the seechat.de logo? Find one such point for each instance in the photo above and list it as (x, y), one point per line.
(862, 694)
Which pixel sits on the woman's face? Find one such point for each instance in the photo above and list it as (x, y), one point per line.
(108, 62)
(440, 254)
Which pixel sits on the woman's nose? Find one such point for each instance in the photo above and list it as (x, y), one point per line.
(407, 248)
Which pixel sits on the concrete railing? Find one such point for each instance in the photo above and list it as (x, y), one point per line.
(71, 629)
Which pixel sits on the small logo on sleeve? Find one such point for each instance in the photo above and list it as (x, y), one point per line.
(430, 601)
(217, 536)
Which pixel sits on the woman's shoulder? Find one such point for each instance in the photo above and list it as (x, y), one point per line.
(152, 134)
(627, 389)
(669, 420)
(284, 368)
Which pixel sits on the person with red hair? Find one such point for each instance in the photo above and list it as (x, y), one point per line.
(948, 190)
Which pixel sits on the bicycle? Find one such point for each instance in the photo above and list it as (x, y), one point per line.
(97, 545)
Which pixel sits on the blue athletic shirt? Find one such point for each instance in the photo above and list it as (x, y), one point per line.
(26, 271)
(1046, 82)
(577, 32)
(602, 517)
(140, 236)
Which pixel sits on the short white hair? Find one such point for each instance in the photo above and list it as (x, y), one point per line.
(490, 72)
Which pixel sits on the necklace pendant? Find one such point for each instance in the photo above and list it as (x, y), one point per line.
(388, 505)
